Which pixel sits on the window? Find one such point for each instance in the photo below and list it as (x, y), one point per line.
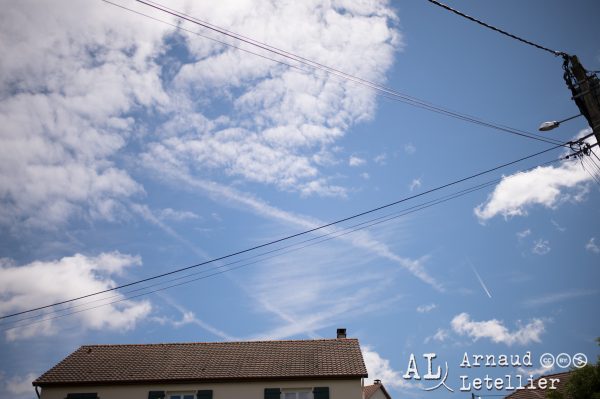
(297, 394)
(182, 396)
(82, 395)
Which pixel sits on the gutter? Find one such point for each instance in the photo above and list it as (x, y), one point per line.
(199, 380)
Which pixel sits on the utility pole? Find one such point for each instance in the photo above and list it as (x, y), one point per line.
(585, 87)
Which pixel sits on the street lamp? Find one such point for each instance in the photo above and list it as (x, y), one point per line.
(544, 127)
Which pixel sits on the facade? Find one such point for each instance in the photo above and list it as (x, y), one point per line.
(294, 369)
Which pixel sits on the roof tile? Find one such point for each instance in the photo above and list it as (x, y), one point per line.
(327, 358)
(541, 393)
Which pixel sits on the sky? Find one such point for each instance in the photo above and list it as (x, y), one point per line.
(133, 145)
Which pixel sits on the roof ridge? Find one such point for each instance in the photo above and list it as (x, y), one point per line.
(222, 342)
(202, 361)
(553, 374)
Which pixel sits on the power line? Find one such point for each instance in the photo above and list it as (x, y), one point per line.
(554, 52)
(313, 64)
(596, 156)
(592, 173)
(286, 238)
(381, 90)
(274, 253)
(322, 238)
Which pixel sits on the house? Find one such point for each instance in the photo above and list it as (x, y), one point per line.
(293, 369)
(375, 391)
(538, 393)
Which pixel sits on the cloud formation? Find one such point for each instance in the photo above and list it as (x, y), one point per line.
(21, 385)
(440, 335)
(541, 186)
(282, 116)
(64, 116)
(495, 330)
(188, 317)
(68, 119)
(415, 184)
(303, 289)
(42, 282)
(592, 246)
(410, 149)
(356, 161)
(380, 368)
(541, 247)
(557, 297)
(426, 308)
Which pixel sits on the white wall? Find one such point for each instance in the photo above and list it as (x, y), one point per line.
(378, 395)
(338, 389)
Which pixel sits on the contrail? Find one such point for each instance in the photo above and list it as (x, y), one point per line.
(480, 280)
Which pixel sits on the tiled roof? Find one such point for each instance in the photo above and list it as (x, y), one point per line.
(541, 393)
(369, 390)
(217, 361)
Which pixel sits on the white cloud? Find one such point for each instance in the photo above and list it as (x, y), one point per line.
(541, 247)
(416, 183)
(146, 213)
(410, 149)
(43, 282)
(189, 318)
(229, 196)
(526, 372)
(62, 119)
(592, 246)
(175, 215)
(380, 159)
(365, 175)
(558, 297)
(21, 385)
(558, 226)
(496, 331)
(356, 161)
(281, 115)
(523, 234)
(303, 289)
(381, 369)
(440, 335)
(66, 120)
(547, 186)
(426, 308)
(304, 293)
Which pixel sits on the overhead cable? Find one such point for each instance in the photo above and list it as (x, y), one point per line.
(286, 238)
(217, 270)
(381, 90)
(554, 52)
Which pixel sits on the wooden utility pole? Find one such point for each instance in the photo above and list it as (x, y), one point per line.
(586, 91)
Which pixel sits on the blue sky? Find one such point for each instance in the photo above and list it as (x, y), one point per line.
(130, 149)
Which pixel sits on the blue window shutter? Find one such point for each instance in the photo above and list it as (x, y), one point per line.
(272, 393)
(156, 395)
(82, 396)
(321, 392)
(204, 394)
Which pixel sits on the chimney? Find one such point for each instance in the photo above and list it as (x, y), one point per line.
(377, 382)
(341, 333)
